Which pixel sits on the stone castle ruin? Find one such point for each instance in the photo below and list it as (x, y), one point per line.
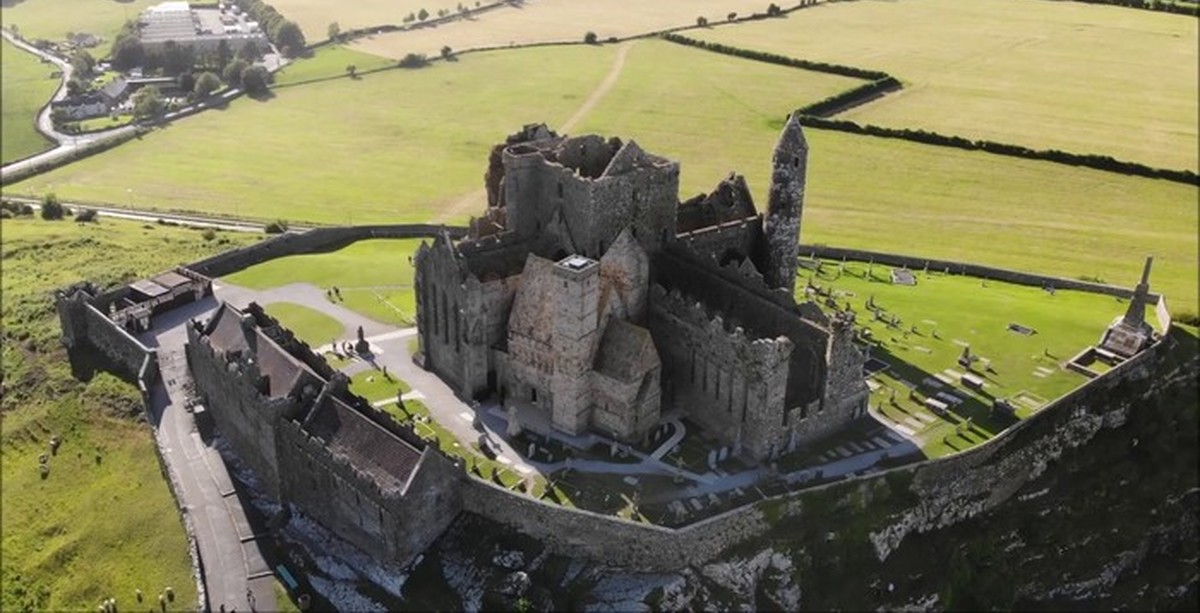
(588, 297)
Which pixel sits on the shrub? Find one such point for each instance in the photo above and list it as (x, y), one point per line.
(208, 234)
(5, 214)
(278, 226)
(1187, 318)
(51, 207)
(86, 215)
(414, 60)
(447, 52)
(702, 22)
(590, 38)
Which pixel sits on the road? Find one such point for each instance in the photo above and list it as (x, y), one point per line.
(231, 559)
(67, 143)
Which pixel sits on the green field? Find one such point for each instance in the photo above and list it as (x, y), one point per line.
(309, 325)
(878, 194)
(103, 523)
(409, 145)
(329, 61)
(967, 310)
(1047, 75)
(25, 88)
(374, 277)
(53, 19)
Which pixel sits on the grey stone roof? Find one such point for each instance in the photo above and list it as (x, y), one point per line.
(388, 460)
(626, 352)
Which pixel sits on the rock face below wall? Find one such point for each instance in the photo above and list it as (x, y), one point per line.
(1108, 523)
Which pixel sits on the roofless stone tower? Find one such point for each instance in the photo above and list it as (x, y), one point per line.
(785, 206)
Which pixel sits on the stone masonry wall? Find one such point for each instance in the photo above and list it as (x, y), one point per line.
(944, 491)
(964, 268)
(137, 362)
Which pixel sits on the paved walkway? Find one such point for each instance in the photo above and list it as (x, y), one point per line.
(232, 561)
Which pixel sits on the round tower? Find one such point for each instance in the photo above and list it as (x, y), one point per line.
(785, 206)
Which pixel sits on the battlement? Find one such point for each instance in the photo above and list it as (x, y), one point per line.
(763, 351)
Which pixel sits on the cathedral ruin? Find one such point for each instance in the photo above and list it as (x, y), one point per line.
(589, 297)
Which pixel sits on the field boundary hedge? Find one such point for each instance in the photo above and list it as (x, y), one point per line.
(1089, 160)
(1154, 5)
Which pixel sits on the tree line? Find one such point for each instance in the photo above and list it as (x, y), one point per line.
(781, 60)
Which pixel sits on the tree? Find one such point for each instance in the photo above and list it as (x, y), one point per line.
(423, 15)
(248, 53)
(702, 22)
(288, 37)
(335, 31)
(51, 207)
(409, 18)
(774, 11)
(233, 72)
(206, 84)
(76, 87)
(447, 52)
(187, 82)
(147, 102)
(352, 70)
(82, 63)
(590, 38)
(732, 16)
(223, 53)
(127, 52)
(176, 59)
(255, 80)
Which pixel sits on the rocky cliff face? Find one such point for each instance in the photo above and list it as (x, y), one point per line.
(1108, 520)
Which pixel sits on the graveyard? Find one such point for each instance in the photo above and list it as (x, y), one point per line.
(1017, 338)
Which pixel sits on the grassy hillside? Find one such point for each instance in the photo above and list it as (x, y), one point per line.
(1048, 75)
(102, 523)
(26, 86)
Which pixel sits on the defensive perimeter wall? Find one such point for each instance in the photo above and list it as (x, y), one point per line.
(918, 497)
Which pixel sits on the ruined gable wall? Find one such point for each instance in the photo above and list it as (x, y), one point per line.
(744, 300)
(740, 238)
(331, 491)
(246, 418)
(731, 382)
(431, 501)
(441, 296)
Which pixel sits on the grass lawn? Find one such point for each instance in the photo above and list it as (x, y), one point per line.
(52, 19)
(372, 385)
(374, 276)
(94, 528)
(309, 325)
(26, 86)
(964, 311)
(1048, 75)
(329, 61)
(538, 21)
(414, 142)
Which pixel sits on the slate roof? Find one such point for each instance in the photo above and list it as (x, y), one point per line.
(283, 371)
(626, 352)
(148, 288)
(387, 459)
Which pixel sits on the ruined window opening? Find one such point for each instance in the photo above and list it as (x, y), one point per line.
(560, 189)
(532, 394)
(795, 162)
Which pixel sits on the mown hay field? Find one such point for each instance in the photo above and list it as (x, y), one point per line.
(52, 19)
(26, 87)
(541, 21)
(314, 16)
(1047, 75)
(102, 523)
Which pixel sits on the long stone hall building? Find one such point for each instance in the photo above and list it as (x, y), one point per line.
(588, 297)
